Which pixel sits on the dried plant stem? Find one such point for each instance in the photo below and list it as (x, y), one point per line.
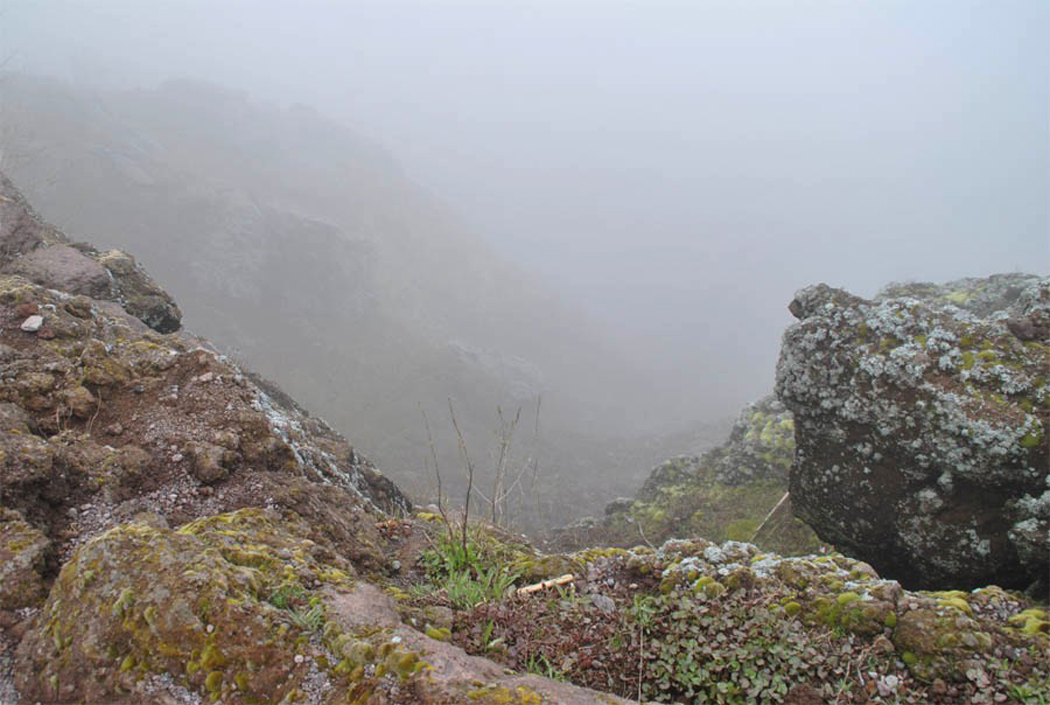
(499, 494)
(470, 477)
(437, 473)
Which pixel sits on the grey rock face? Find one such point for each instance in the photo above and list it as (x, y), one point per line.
(921, 427)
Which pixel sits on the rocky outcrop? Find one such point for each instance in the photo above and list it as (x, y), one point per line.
(724, 494)
(921, 424)
(43, 255)
(104, 418)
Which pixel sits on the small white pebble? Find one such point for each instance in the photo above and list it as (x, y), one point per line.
(32, 324)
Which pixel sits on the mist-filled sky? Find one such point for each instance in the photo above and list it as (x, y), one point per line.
(677, 170)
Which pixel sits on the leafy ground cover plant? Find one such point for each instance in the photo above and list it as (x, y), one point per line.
(693, 622)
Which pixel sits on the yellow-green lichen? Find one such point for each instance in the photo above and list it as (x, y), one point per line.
(439, 633)
(213, 682)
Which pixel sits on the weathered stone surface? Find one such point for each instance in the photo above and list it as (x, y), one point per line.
(921, 428)
(139, 294)
(209, 462)
(207, 599)
(66, 268)
(32, 324)
(23, 555)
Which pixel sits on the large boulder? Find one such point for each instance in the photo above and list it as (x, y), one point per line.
(920, 427)
(67, 268)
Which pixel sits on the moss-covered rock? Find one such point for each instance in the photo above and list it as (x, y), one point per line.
(220, 597)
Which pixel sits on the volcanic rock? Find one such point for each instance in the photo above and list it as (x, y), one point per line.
(921, 428)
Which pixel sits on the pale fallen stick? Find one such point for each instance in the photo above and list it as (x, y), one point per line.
(768, 516)
(545, 584)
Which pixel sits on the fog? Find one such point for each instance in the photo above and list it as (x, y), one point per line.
(674, 171)
(679, 169)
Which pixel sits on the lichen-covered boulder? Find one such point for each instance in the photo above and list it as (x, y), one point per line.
(921, 428)
(724, 494)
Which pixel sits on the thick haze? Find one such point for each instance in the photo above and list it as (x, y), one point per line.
(676, 170)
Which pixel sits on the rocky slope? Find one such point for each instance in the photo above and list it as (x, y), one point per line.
(921, 424)
(173, 529)
(234, 204)
(726, 493)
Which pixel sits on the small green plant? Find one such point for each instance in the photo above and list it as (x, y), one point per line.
(304, 612)
(538, 664)
(448, 557)
(644, 609)
(465, 574)
(286, 595)
(1029, 695)
(486, 637)
(465, 589)
(309, 620)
